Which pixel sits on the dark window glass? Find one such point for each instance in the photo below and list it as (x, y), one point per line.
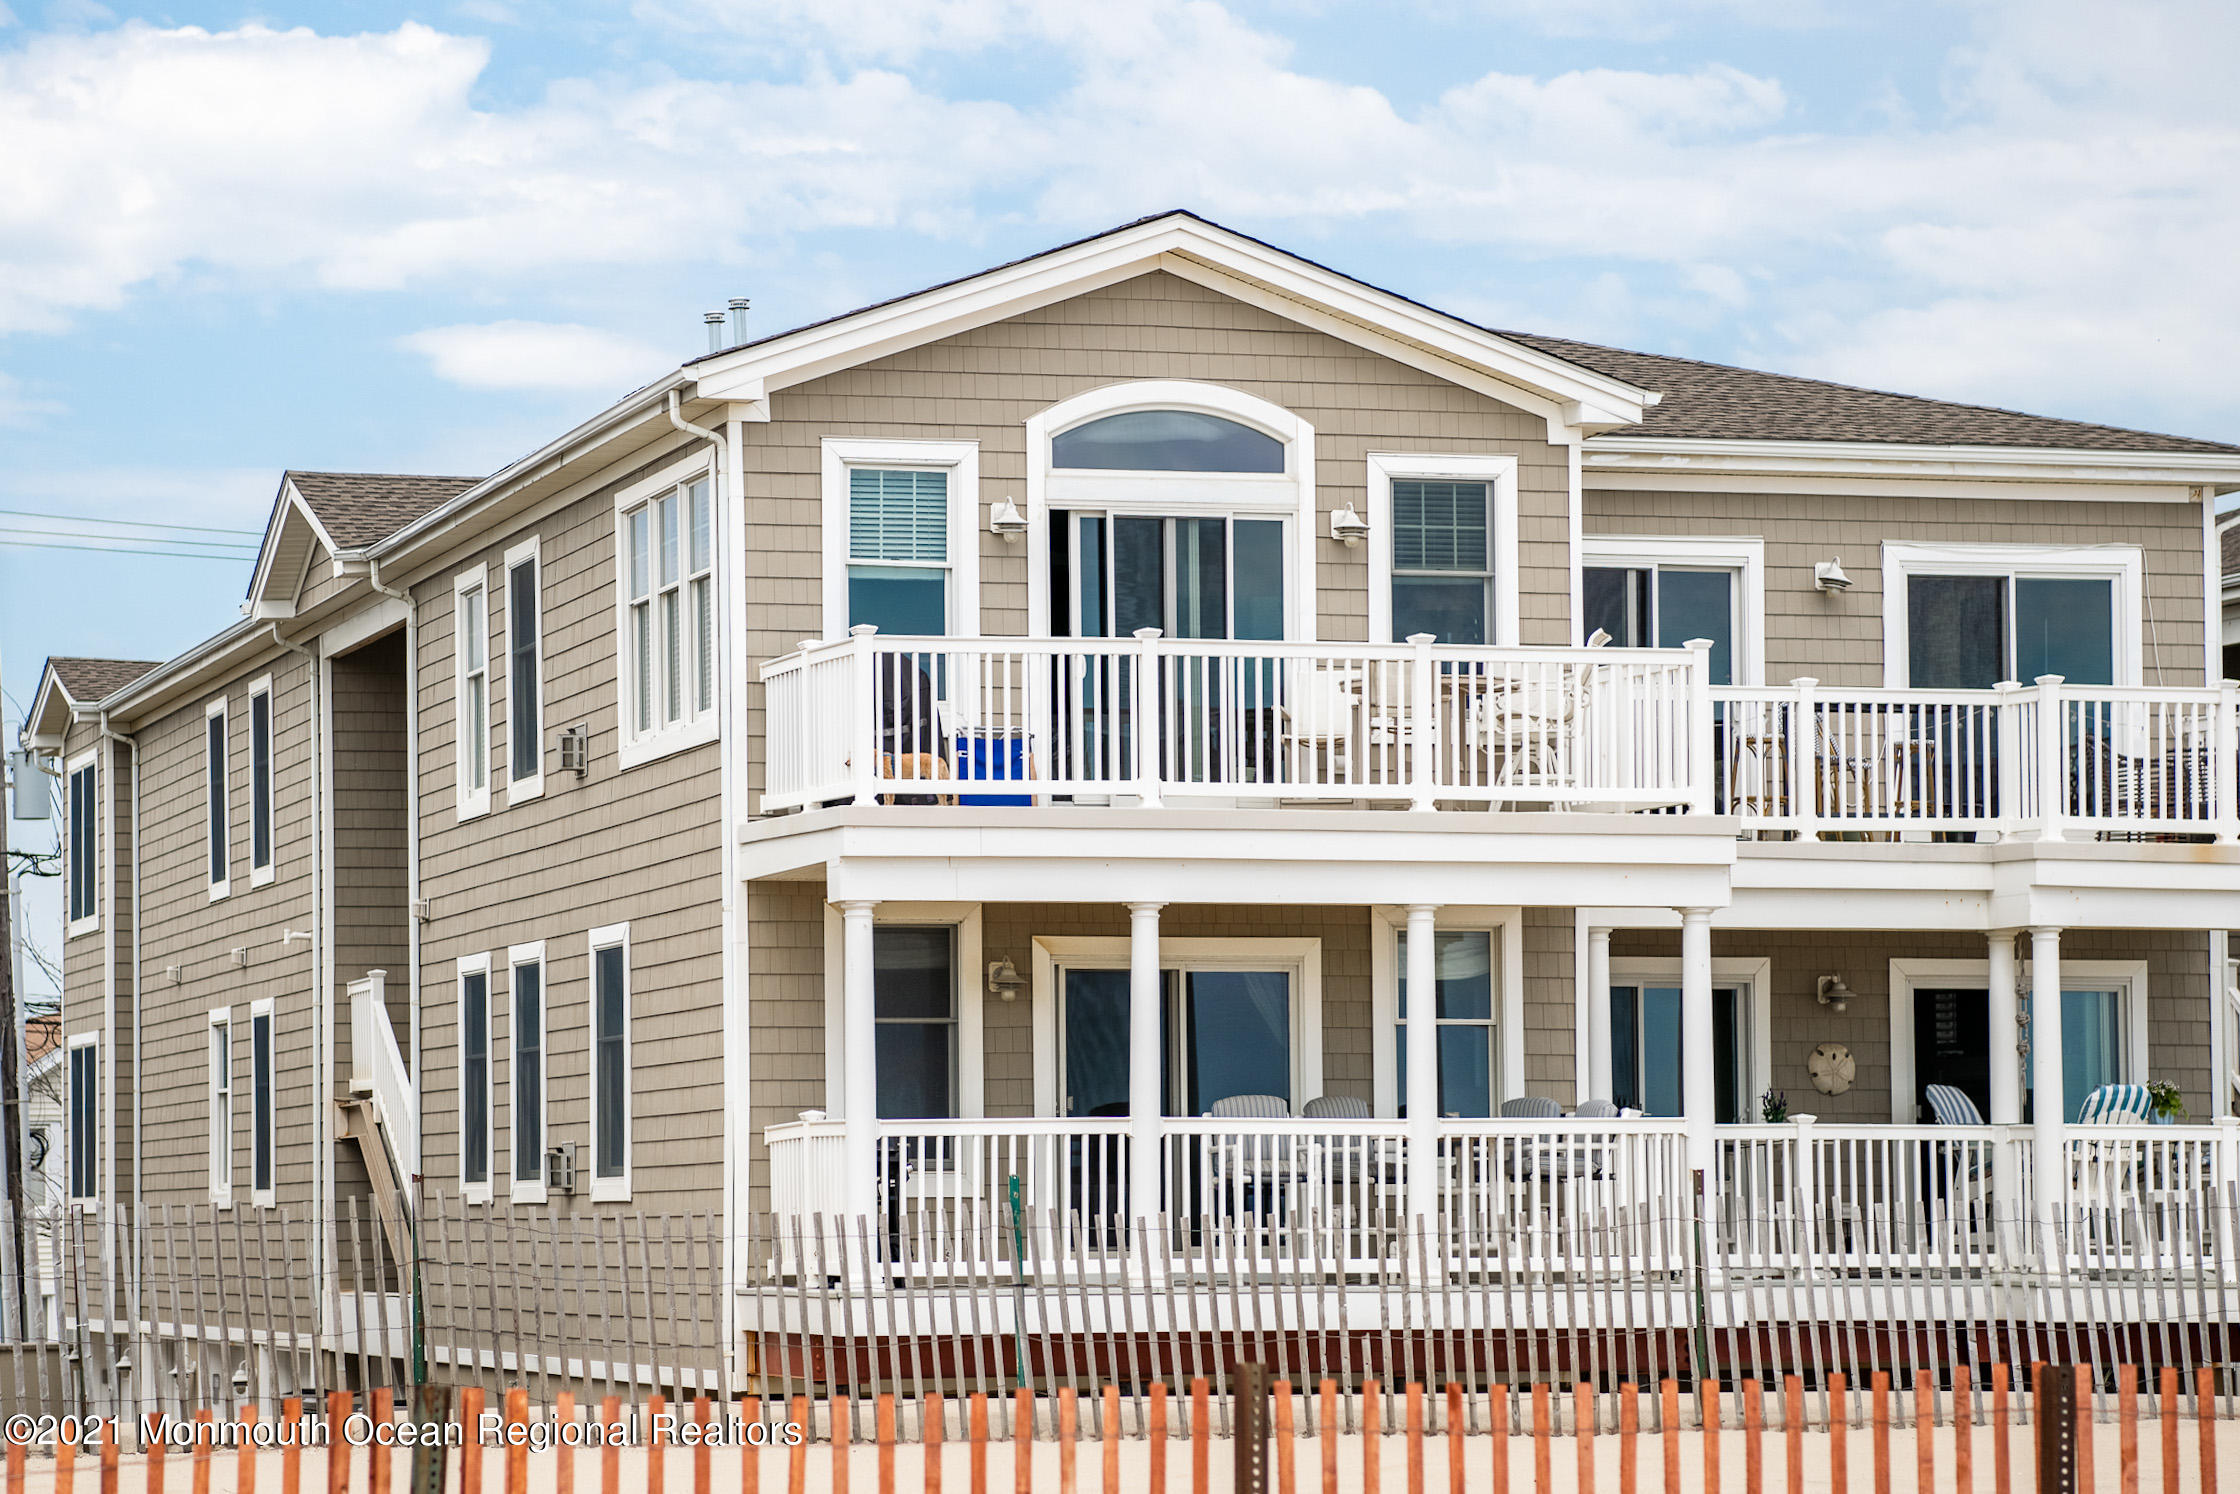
(260, 780)
(474, 1078)
(1956, 631)
(1452, 609)
(528, 1073)
(82, 852)
(1647, 1044)
(1616, 601)
(1440, 526)
(1167, 441)
(611, 1083)
(2065, 626)
(1463, 961)
(215, 789)
(913, 998)
(1238, 1033)
(260, 1085)
(1139, 574)
(1091, 562)
(523, 727)
(1096, 1042)
(1698, 604)
(1201, 578)
(85, 1121)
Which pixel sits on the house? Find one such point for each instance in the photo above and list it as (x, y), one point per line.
(1040, 728)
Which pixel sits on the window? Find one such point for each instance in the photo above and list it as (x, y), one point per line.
(1648, 1039)
(85, 1118)
(1967, 617)
(474, 1078)
(2095, 1048)
(1469, 1034)
(1442, 560)
(260, 782)
(1223, 1032)
(667, 550)
(214, 792)
(85, 904)
(262, 1162)
(524, 675)
(471, 691)
(898, 549)
(1166, 441)
(526, 1071)
(914, 1003)
(1661, 606)
(610, 1063)
(221, 1106)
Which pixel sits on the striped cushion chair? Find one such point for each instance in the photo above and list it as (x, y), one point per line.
(1952, 1107)
(1249, 1158)
(2116, 1105)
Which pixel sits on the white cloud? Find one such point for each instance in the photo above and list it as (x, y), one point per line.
(537, 355)
(18, 408)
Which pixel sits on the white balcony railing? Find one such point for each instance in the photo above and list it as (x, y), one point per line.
(1814, 760)
(1015, 720)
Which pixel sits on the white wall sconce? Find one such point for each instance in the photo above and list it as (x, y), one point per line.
(1005, 519)
(1828, 575)
(1348, 527)
(1834, 993)
(1004, 979)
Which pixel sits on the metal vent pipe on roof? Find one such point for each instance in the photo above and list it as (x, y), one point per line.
(714, 319)
(738, 320)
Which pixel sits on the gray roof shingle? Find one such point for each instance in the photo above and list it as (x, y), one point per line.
(2229, 538)
(358, 508)
(97, 679)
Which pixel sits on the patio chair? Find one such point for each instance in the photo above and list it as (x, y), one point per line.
(1531, 1107)
(1534, 1156)
(2104, 1174)
(1952, 1107)
(1317, 720)
(1256, 1159)
(1966, 1160)
(1598, 1110)
(1349, 1157)
(2116, 1105)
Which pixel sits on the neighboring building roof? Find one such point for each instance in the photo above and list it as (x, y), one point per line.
(2228, 538)
(1714, 402)
(41, 1036)
(358, 508)
(88, 680)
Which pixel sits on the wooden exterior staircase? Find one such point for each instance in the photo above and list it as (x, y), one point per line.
(376, 1111)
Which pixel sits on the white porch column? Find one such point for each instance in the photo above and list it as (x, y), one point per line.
(1422, 1097)
(1144, 1099)
(1601, 1083)
(859, 1058)
(2049, 1128)
(1699, 1076)
(2006, 1031)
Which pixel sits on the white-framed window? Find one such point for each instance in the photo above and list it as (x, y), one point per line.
(1659, 591)
(260, 782)
(1940, 1026)
(525, 1069)
(901, 537)
(1442, 547)
(1970, 616)
(524, 672)
(611, 1088)
(471, 688)
(1463, 938)
(958, 924)
(665, 621)
(477, 1090)
(84, 848)
(215, 768)
(221, 1106)
(85, 1118)
(264, 1161)
(1648, 1038)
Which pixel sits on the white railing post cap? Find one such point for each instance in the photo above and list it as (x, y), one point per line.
(863, 630)
(1419, 639)
(1699, 645)
(1804, 682)
(2047, 679)
(1147, 634)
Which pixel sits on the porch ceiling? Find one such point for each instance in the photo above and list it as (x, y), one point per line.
(1069, 854)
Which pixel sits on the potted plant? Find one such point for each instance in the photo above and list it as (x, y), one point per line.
(2165, 1102)
(1773, 1106)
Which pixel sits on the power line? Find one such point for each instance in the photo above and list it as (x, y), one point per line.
(19, 513)
(137, 539)
(243, 556)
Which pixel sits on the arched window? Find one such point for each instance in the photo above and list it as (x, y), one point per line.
(1166, 441)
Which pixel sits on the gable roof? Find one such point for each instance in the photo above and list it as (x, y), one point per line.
(357, 509)
(89, 680)
(1717, 402)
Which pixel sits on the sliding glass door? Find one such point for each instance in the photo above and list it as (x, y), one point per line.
(1223, 1033)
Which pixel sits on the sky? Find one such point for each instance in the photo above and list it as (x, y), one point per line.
(428, 238)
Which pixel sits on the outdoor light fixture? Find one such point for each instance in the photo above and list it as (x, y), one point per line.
(1828, 576)
(1833, 992)
(1348, 526)
(1004, 979)
(1005, 519)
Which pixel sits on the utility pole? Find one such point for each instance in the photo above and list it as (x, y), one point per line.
(15, 1316)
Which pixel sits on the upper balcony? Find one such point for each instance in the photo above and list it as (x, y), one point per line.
(1151, 721)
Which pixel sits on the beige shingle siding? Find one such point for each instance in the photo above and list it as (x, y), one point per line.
(1551, 1027)
(785, 1014)
(642, 847)
(1837, 639)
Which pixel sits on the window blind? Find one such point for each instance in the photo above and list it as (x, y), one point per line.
(898, 514)
(1439, 526)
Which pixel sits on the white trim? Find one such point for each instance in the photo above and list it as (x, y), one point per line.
(962, 459)
(695, 727)
(477, 964)
(472, 800)
(521, 790)
(1386, 925)
(378, 616)
(615, 1189)
(91, 923)
(260, 876)
(1753, 972)
(971, 996)
(518, 1189)
(264, 1198)
(219, 1159)
(1665, 457)
(1498, 470)
(1743, 553)
(1302, 957)
(217, 814)
(2129, 976)
(1292, 494)
(2123, 564)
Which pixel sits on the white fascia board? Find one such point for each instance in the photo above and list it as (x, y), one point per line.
(1608, 454)
(266, 587)
(51, 710)
(753, 373)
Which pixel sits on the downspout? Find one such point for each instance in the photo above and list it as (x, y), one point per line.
(114, 1231)
(139, 1000)
(322, 1064)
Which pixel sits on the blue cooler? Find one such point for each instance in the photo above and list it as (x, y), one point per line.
(999, 756)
